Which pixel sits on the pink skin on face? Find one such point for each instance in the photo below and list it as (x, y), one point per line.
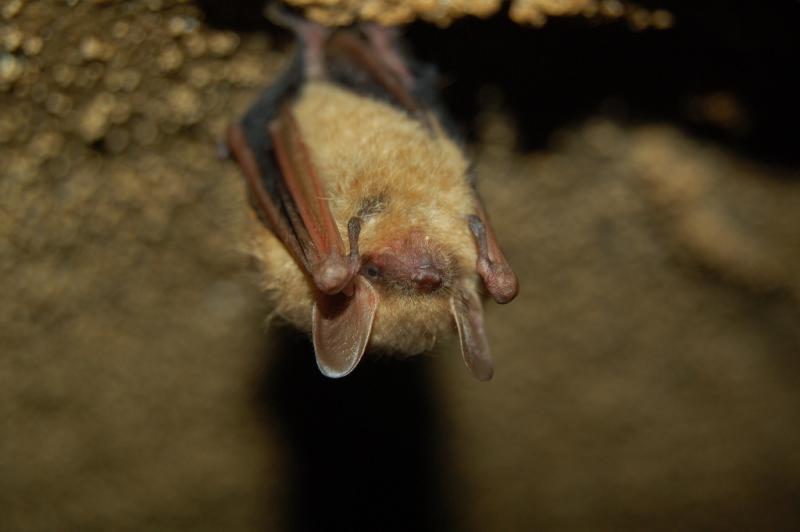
(410, 263)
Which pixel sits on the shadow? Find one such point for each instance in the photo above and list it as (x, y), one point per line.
(363, 452)
(237, 15)
(573, 68)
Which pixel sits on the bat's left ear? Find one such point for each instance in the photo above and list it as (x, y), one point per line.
(341, 327)
(468, 313)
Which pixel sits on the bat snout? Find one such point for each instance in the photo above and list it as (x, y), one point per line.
(426, 279)
(408, 271)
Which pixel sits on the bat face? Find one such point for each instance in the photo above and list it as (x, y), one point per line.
(346, 153)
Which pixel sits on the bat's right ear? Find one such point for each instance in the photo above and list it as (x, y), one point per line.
(341, 327)
(468, 313)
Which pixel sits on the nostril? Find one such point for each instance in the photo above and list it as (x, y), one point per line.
(426, 280)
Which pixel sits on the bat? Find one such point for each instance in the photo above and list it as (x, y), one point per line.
(349, 146)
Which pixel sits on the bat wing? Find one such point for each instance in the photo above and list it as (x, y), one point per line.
(306, 206)
(372, 66)
(289, 199)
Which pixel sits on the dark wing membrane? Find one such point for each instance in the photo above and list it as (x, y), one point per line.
(307, 206)
(371, 66)
(283, 185)
(371, 61)
(268, 145)
(271, 213)
(265, 110)
(287, 195)
(250, 143)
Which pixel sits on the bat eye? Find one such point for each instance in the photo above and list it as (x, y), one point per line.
(371, 271)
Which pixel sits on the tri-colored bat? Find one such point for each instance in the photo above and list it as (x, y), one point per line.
(349, 146)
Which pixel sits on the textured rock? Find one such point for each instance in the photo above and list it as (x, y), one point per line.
(646, 375)
(444, 12)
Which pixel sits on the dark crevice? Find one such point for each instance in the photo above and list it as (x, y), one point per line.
(725, 71)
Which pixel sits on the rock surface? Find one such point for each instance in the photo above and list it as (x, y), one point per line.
(646, 375)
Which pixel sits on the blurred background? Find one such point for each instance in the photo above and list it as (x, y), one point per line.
(641, 165)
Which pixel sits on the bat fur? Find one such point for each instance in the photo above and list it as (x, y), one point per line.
(370, 154)
(347, 147)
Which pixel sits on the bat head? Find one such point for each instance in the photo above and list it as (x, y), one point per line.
(397, 302)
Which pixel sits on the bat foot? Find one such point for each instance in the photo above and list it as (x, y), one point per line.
(280, 15)
(311, 34)
(383, 42)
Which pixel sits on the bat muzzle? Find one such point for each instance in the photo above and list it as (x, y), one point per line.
(426, 280)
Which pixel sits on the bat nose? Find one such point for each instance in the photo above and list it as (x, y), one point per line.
(426, 279)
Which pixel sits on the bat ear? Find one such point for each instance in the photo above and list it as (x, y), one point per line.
(341, 327)
(468, 313)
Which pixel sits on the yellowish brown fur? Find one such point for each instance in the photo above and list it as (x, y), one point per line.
(363, 148)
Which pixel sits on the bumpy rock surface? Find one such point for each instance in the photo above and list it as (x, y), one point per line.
(444, 12)
(646, 375)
